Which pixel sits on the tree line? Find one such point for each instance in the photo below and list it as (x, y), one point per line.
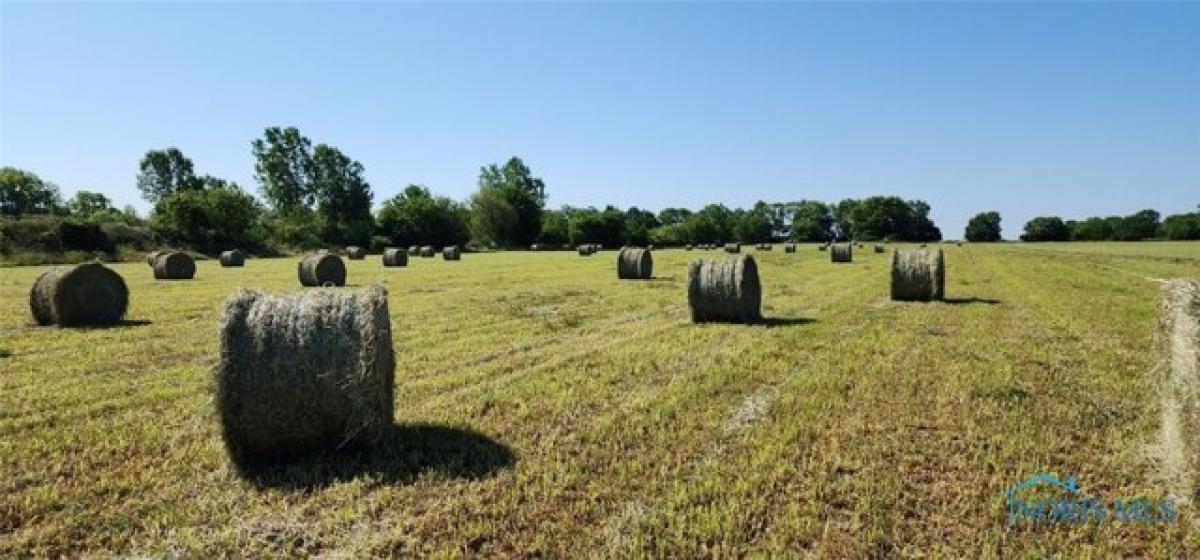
(1145, 224)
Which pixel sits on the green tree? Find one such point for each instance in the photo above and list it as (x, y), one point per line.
(812, 221)
(589, 225)
(1182, 226)
(673, 216)
(983, 227)
(493, 219)
(415, 217)
(86, 204)
(163, 172)
(342, 195)
(752, 226)
(23, 192)
(522, 191)
(1091, 229)
(216, 218)
(283, 166)
(1138, 226)
(1046, 228)
(556, 228)
(711, 224)
(638, 224)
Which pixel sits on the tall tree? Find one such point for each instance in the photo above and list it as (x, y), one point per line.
(522, 191)
(812, 221)
(983, 227)
(493, 219)
(343, 196)
(416, 217)
(162, 172)
(86, 204)
(283, 166)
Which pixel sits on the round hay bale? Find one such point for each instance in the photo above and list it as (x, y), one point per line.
(586, 250)
(233, 258)
(733, 248)
(395, 256)
(789, 247)
(175, 265)
(841, 253)
(918, 275)
(303, 372)
(878, 248)
(634, 264)
(426, 251)
(153, 255)
(451, 253)
(766, 247)
(414, 250)
(356, 253)
(535, 247)
(687, 247)
(724, 290)
(1176, 375)
(79, 295)
(322, 269)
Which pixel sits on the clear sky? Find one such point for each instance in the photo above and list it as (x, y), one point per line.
(1067, 109)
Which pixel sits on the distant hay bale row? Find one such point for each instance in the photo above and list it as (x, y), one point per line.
(634, 264)
(414, 250)
(426, 251)
(174, 265)
(841, 253)
(356, 253)
(688, 247)
(1176, 377)
(80, 295)
(586, 250)
(233, 258)
(451, 253)
(764, 247)
(726, 290)
(789, 247)
(322, 269)
(918, 275)
(536, 247)
(733, 248)
(303, 372)
(395, 257)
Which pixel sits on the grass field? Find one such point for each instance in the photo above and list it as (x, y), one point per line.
(546, 409)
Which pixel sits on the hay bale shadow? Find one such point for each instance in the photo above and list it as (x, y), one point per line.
(767, 322)
(404, 453)
(122, 324)
(971, 300)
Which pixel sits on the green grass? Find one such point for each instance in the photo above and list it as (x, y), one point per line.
(545, 408)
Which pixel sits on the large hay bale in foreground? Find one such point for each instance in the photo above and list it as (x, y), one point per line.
(634, 264)
(426, 251)
(356, 253)
(395, 256)
(918, 275)
(451, 253)
(841, 253)
(727, 291)
(322, 269)
(233, 258)
(733, 248)
(80, 295)
(303, 372)
(1176, 377)
(175, 265)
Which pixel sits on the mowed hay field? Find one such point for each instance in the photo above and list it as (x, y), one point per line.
(545, 408)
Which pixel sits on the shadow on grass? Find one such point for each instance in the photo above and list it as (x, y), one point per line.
(971, 300)
(122, 324)
(405, 452)
(769, 322)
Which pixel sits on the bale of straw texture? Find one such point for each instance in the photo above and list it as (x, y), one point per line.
(726, 290)
(841, 253)
(1176, 377)
(303, 372)
(233, 258)
(79, 295)
(322, 269)
(356, 253)
(395, 256)
(426, 251)
(175, 265)
(918, 275)
(634, 264)
(586, 250)
(733, 248)
(451, 253)
(153, 255)
(789, 247)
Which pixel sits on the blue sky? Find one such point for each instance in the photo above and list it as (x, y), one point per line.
(1066, 109)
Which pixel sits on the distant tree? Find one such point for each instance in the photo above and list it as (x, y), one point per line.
(415, 217)
(343, 196)
(522, 191)
(589, 225)
(493, 219)
(843, 218)
(1182, 226)
(752, 226)
(886, 217)
(1046, 228)
(163, 172)
(215, 218)
(85, 204)
(23, 192)
(811, 221)
(556, 228)
(638, 224)
(283, 167)
(669, 235)
(711, 224)
(983, 227)
(1091, 229)
(673, 216)
(1138, 226)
